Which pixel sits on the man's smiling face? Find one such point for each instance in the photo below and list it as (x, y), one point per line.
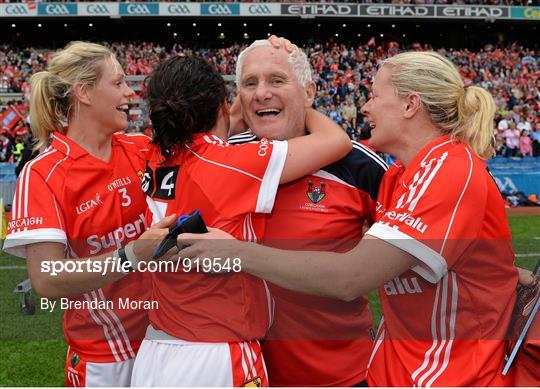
(273, 101)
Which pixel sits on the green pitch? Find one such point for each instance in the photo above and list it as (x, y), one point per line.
(32, 350)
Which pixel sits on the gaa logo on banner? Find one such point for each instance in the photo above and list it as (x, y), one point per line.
(139, 9)
(259, 9)
(57, 9)
(220, 9)
(16, 10)
(178, 9)
(96, 9)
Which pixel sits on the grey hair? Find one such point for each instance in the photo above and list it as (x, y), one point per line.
(298, 60)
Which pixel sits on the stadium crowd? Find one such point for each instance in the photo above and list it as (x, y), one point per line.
(343, 75)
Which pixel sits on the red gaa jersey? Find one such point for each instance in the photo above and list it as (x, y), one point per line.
(68, 196)
(317, 341)
(226, 184)
(445, 319)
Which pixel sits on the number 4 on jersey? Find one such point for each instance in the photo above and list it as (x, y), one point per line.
(165, 177)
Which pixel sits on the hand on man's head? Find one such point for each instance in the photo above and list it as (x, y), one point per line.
(279, 42)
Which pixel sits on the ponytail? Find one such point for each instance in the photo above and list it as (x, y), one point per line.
(50, 104)
(476, 110)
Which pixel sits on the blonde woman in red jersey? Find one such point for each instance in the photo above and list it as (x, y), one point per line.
(206, 330)
(80, 200)
(440, 248)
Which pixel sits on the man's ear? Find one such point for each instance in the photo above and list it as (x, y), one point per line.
(311, 89)
(413, 103)
(237, 124)
(82, 93)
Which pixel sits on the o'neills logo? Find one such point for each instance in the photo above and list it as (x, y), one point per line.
(119, 183)
(82, 208)
(406, 218)
(117, 236)
(27, 221)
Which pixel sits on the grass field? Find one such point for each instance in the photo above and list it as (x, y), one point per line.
(32, 350)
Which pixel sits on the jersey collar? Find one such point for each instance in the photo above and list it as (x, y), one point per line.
(207, 138)
(67, 146)
(426, 151)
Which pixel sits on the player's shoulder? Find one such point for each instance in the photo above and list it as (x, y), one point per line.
(45, 163)
(133, 141)
(243, 137)
(362, 155)
(362, 168)
(451, 157)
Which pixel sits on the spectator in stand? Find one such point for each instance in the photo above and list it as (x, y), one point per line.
(6, 148)
(516, 114)
(27, 153)
(500, 147)
(17, 151)
(525, 144)
(525, 124)
(334, 114)
(535, 136)
(511, 135)
(349, 112)
(503, 123)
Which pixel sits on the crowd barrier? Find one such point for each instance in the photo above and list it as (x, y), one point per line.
(7, 182)
(516, 174)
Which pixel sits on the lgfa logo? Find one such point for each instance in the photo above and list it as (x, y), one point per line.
(82, 208)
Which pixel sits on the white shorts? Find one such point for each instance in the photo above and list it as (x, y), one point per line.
(80, 373)
(167, 361)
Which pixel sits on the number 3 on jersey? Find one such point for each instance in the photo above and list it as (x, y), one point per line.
(126, 200)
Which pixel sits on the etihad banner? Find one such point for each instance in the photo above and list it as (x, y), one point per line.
(430, 11)
(301, 10)
(320, 9)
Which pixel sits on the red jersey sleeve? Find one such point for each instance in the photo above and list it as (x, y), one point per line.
(431, 212)
(35, 216)
(244, 178)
